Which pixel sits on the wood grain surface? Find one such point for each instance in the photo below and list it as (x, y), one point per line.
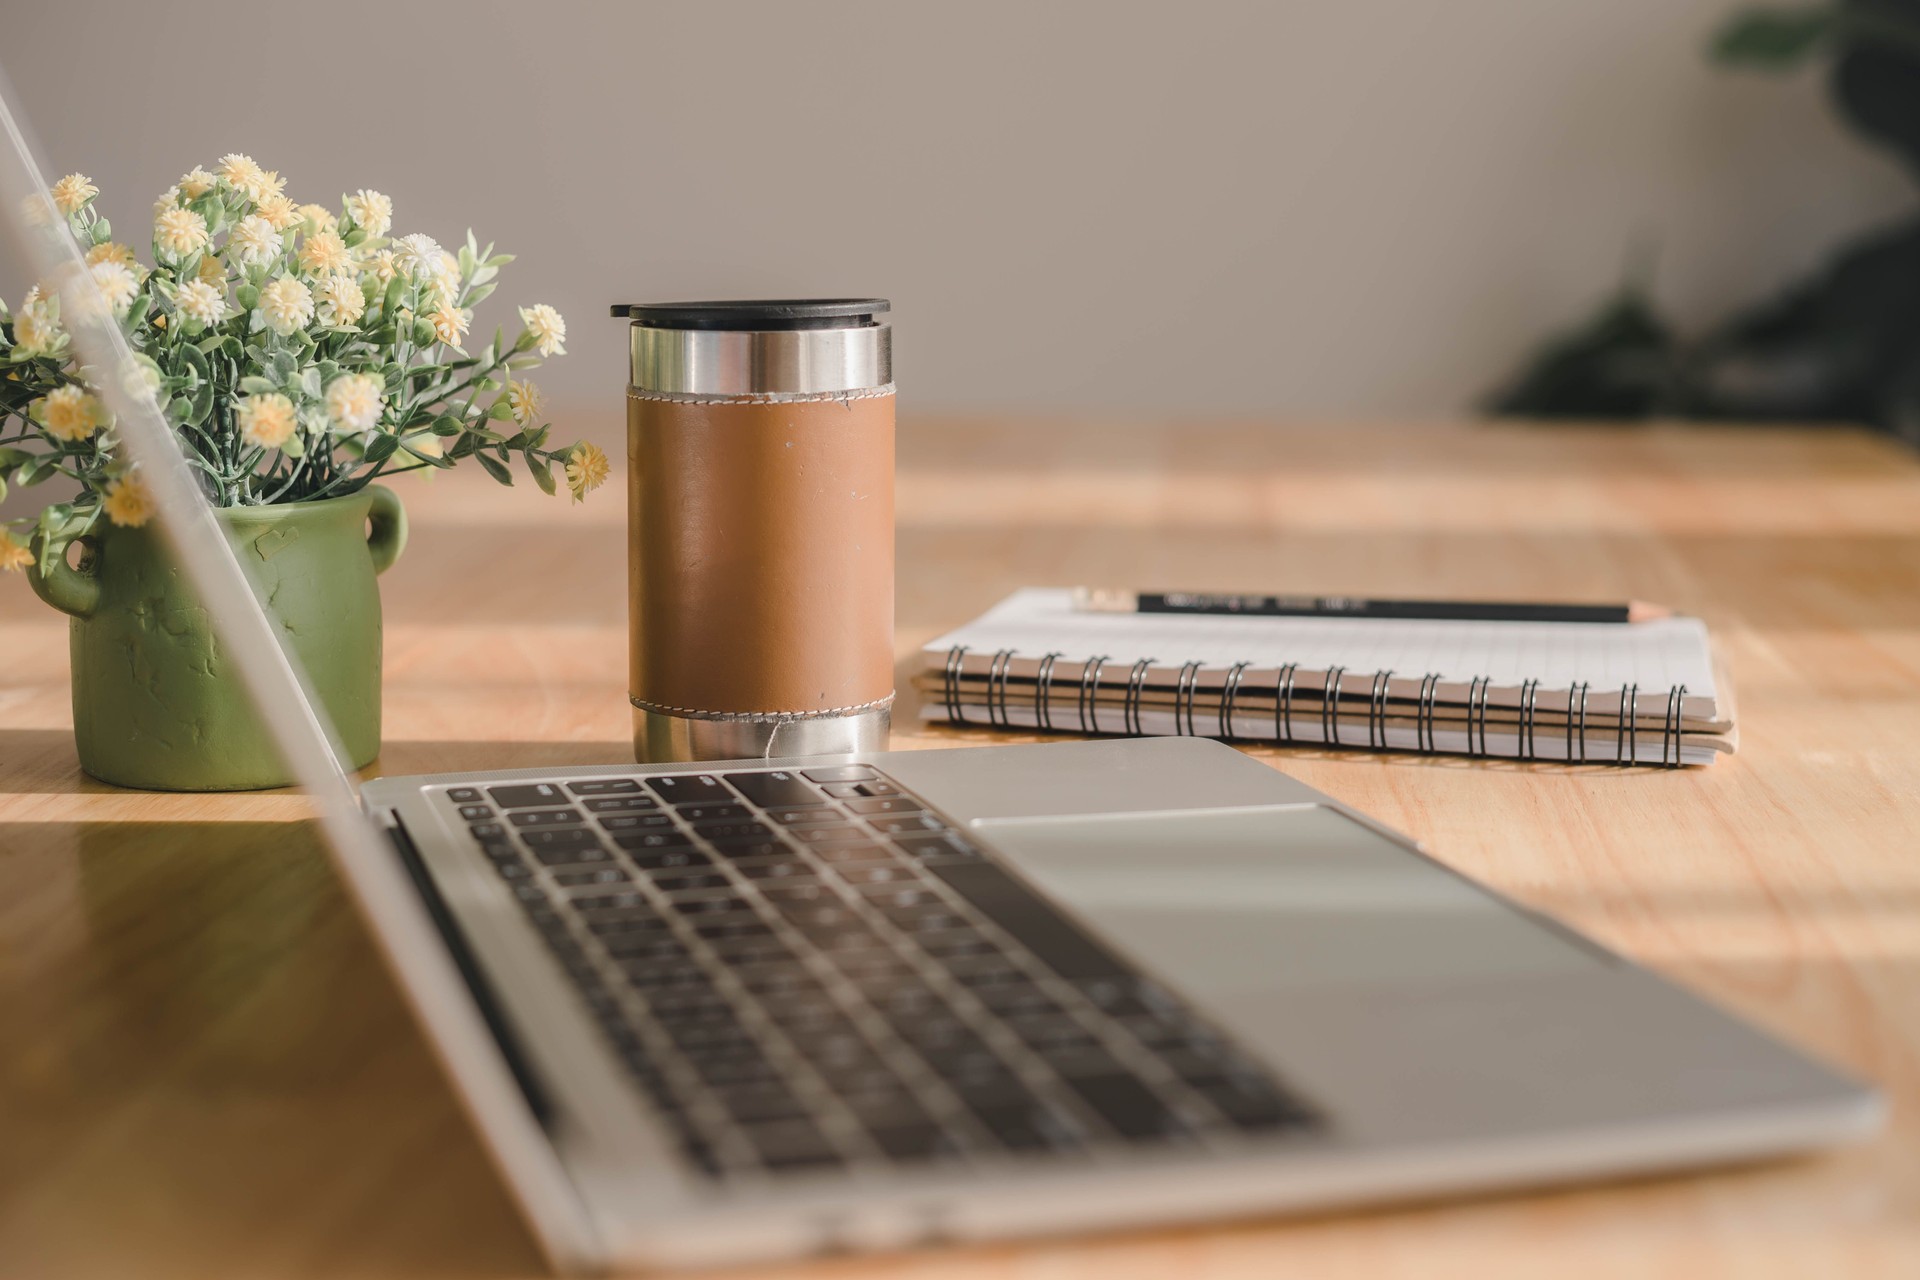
(204, 1071)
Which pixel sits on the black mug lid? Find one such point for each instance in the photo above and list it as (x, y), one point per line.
(747, 314)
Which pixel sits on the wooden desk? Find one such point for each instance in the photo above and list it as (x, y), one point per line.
(204, 1072)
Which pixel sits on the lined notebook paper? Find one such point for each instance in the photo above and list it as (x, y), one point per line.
(1615, 693)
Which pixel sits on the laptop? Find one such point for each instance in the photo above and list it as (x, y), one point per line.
(765, 1008)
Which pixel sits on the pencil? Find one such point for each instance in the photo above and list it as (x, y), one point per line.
(1105, 600)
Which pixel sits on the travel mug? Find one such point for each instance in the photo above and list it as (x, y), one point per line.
(760, 528)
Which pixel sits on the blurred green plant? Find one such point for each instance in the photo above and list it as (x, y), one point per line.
(1841, 346)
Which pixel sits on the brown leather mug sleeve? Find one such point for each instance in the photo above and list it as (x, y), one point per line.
(761, 554)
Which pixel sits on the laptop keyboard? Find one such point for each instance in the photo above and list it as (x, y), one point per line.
(812, 969)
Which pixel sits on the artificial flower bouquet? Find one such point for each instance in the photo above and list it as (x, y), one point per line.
(299, 351)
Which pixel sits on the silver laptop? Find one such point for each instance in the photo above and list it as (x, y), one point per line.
(767, 1008)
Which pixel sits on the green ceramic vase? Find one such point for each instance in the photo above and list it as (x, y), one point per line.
(156, 704)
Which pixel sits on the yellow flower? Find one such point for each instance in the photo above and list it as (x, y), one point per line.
(317, 216)
(354, 402)
(212, 271)
(254, 241)
(168, 199)
(249, 178)
(128, 503)
(587, 469)
(279, 212)
(525, 400)
(266, 420)
(546, 326)
(116, 285)
(201, 302)
(286, 305)
(196, 183)
(371, 212)
(71, 193)
(426, 444)
(111, 252)
(449, 323)
(14, 554)
(35, 330)
(69, 413)
(338, 301)
(382, 266)
(272, 185)
(324, 253)
(179, 232)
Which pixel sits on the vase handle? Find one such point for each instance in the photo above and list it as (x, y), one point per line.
(388, 519)
(70, 590)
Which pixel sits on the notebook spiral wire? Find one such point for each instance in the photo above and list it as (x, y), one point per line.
(998, 700)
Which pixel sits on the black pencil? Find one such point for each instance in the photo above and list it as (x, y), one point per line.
(1100, 600)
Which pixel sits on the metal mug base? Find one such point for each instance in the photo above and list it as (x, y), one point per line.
(659, 738)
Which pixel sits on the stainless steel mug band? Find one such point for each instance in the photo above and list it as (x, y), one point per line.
(731, 362)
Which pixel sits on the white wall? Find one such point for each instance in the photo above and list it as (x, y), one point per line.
(1303, 208)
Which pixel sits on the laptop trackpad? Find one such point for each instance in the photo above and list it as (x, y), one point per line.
(1237, 901)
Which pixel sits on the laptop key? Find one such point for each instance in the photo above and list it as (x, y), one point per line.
(572, 855)
(527, 796)
(634, 821)
(774, 790)
(699, 813)
(545, 818)
(883, 804)
(840, 773)
(476, 812)
(487, 830)
(463, 795)
(1134, 1111)
(620, 804)
(791, 1144)
(559, 837)
(604, 786)
(729, 831)
(671, 856)
(636, 840)
(689, 788)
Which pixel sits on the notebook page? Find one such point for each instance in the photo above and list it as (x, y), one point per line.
(1653, 655)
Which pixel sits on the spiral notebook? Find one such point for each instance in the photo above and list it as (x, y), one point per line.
(1639, 693)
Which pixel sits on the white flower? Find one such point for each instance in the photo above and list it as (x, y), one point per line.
(168, 199)
(286, 305)
(196, 183)
(417, 255)
(324, 253)
(141, 379)
(201, 302)
(340, 301)
(549, 330)
(266, 420)
(443, 278)
(116, 285)
(71, 193)
(371, 212)
(253, 242)
(354, 402)
(280, 212)
(525, 400)
(36, 331)
(179, 232)
(69, 413)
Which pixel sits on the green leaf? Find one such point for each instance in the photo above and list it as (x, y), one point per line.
(542, 472)
(381, 447)
(247, 296)
(310, 383)
(201, 404)
(102, 231)
(255, 385)
(1776, 39)
(480, 294)
(495, 468)
(446, 425)
(500, 410)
